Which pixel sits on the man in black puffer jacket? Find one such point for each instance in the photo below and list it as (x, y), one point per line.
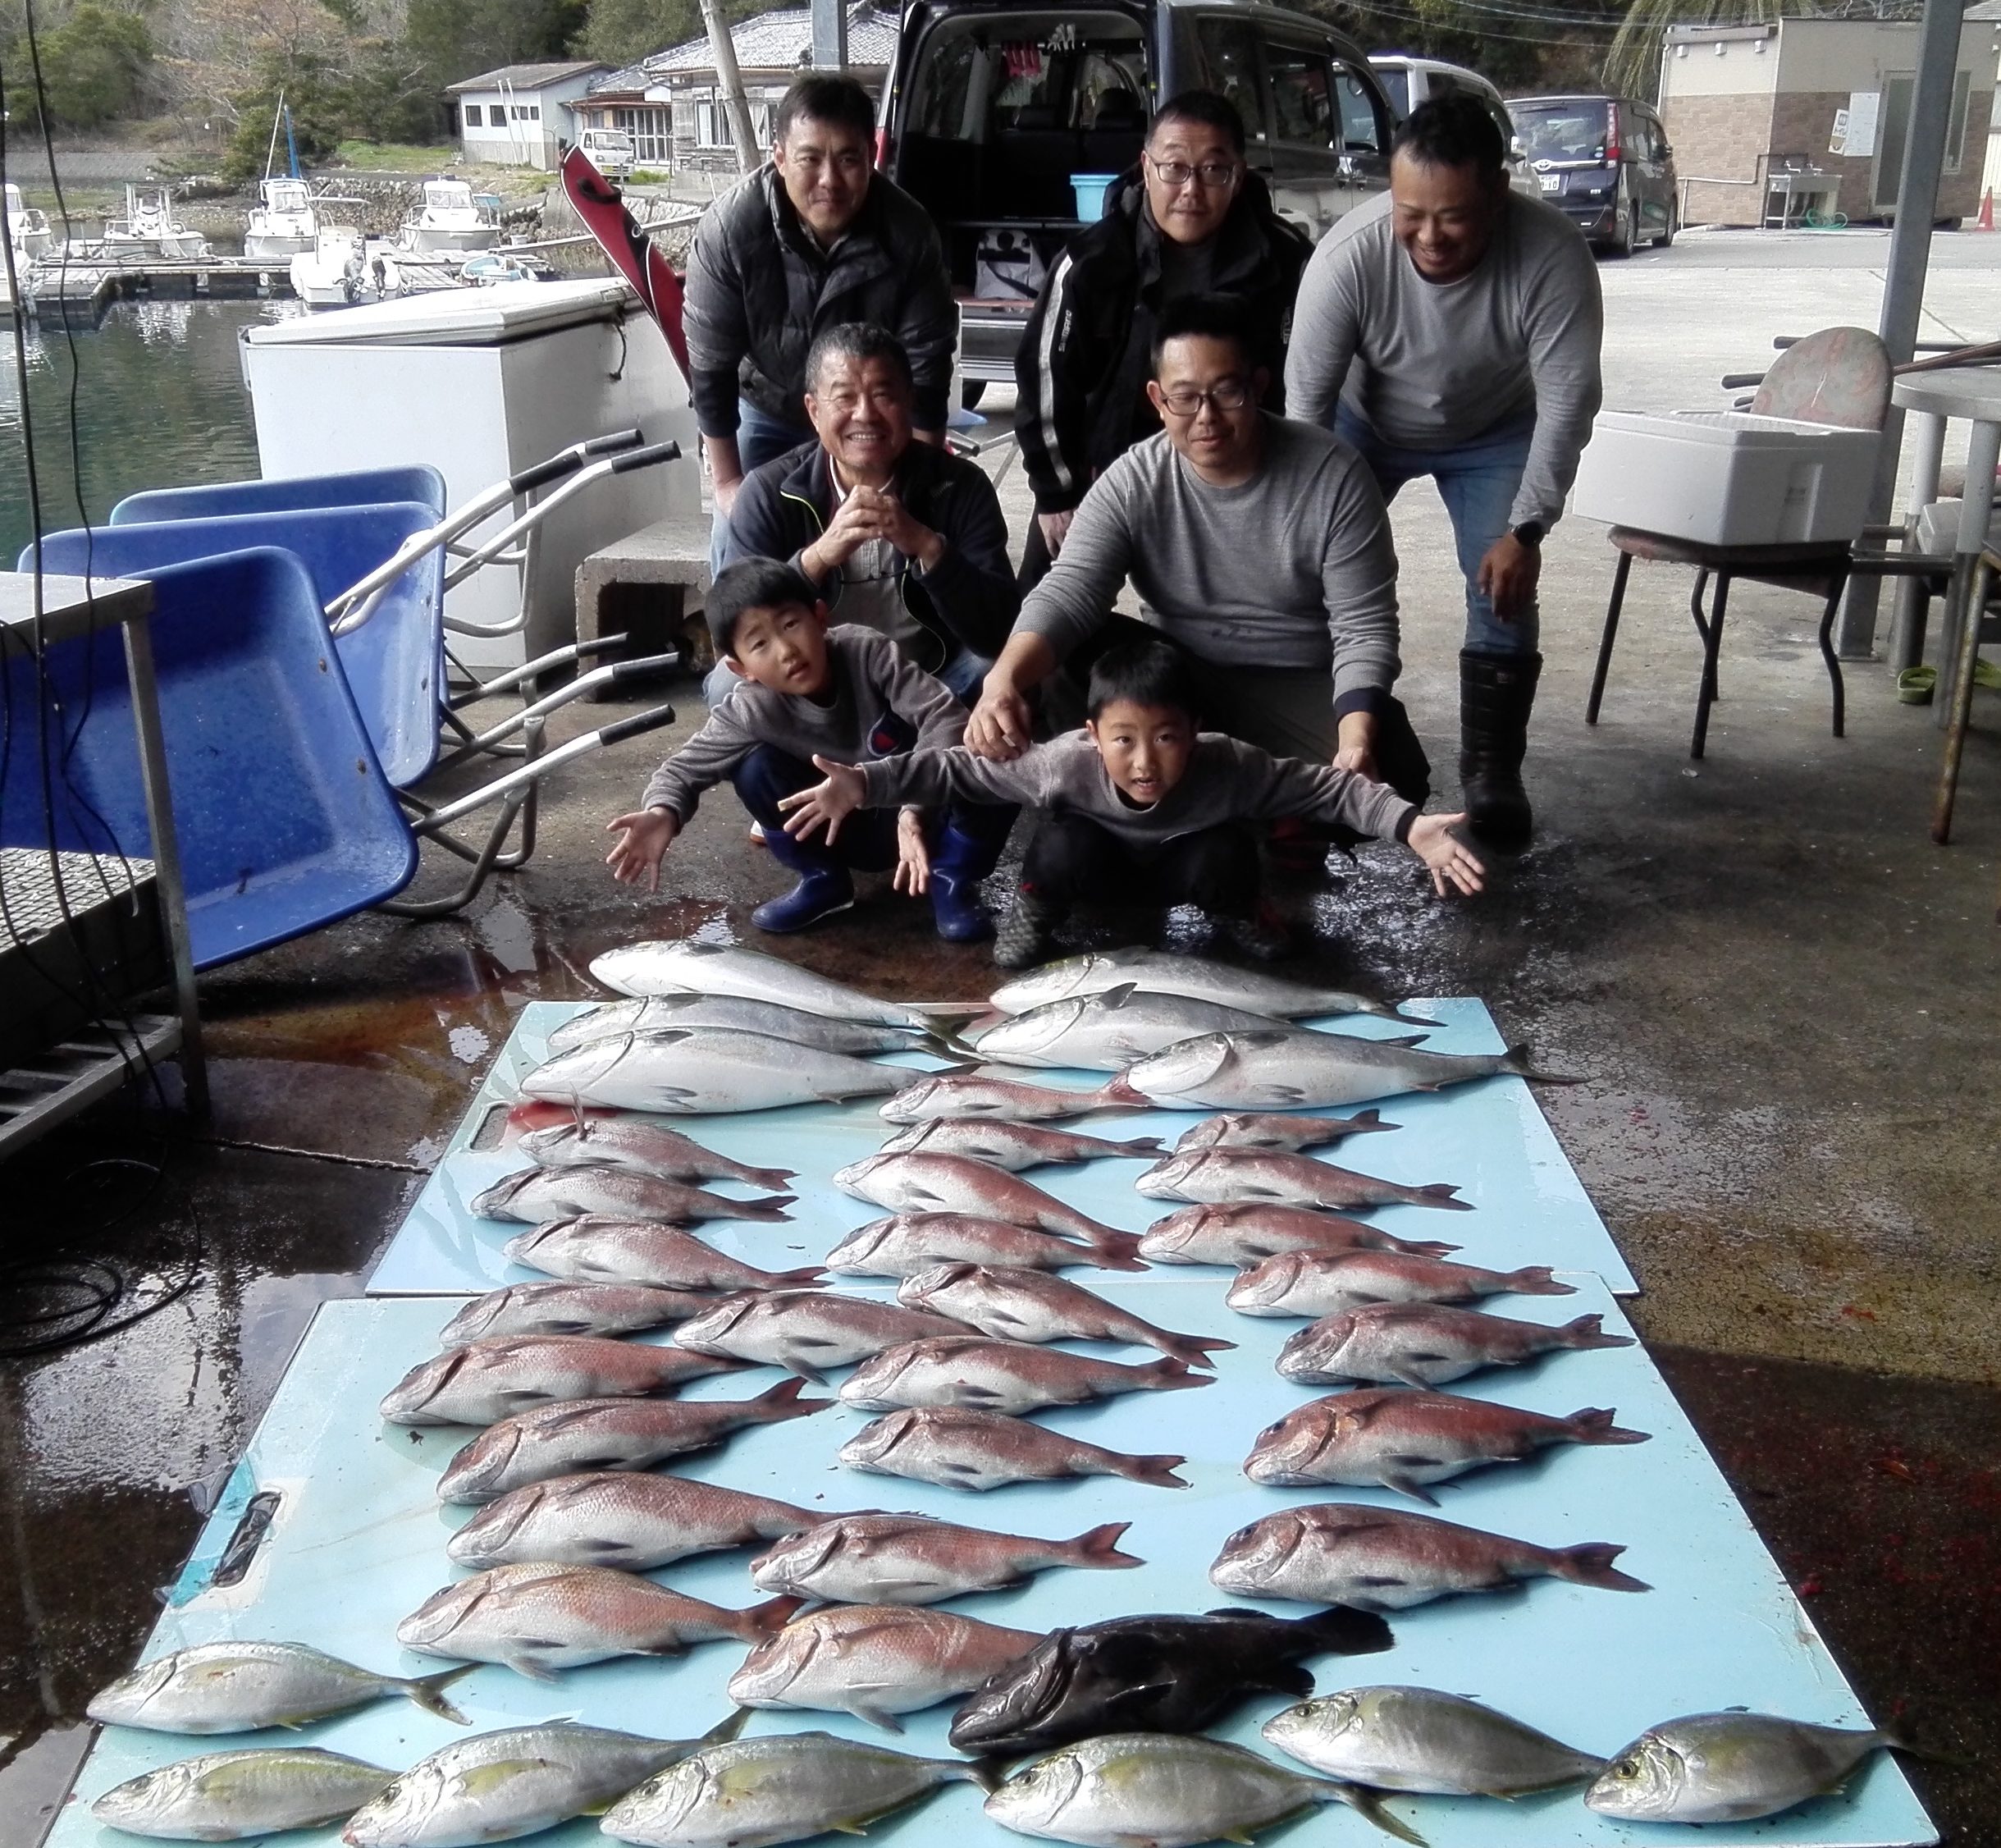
(1192, 220)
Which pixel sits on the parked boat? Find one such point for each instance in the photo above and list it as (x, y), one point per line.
(451, 218)
(486, 268)
(282, 222)
(344, 268)
(27, 228)
(150, 229)
(20, 300)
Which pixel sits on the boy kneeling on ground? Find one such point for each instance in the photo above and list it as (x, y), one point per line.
(810, 691)
(1139, 807)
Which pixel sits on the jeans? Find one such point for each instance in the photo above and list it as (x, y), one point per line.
(961, 675)
(1477, 481)
(1072, 859)
(760, 438)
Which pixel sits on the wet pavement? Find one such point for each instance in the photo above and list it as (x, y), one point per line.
(1781, 1000)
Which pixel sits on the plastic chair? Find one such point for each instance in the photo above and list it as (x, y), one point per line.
(1840, 376)
(355, 487)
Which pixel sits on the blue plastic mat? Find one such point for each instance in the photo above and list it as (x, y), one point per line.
(358, 1542)
(1489, 1138)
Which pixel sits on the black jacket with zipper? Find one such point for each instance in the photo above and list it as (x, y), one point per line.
(1081, 369)
(967, 600)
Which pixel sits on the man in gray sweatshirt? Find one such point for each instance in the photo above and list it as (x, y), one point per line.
(1451, 328)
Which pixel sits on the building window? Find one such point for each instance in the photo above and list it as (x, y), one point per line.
(652, 133)
(472, 114)
(1956, 121)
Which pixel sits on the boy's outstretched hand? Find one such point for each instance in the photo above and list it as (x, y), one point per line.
(826, 804)
(643, 837)
(1452, 862)
(913, 859)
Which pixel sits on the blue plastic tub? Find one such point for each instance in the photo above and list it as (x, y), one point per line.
(354, 487)
(1091, 190)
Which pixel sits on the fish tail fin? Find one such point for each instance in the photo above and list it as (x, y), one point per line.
(958, 1068)
(1590, 1562)
(1369, 1803)
(804, 1274)
(1585, 1332)
(768, 1618)
(1341, 1631)
(1170, 1374)
(783, 1401)
(1157, 1471)
(1515, 1060)
(1117, 1250)
(1389, 1010)
(1364, 1121)
(985, 1774)
(1594, 1425)
(1142, 1145)
(1440, 1193)
(1194, 1350)
(766, 1206)
(773, 1177)
(428, 1692)
(1099, 1547)
(1114, 1093)
(1425, 1247)
(1537, 1280)
(726, 1729)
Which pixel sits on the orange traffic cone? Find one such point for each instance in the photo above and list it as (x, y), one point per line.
(1985, 222)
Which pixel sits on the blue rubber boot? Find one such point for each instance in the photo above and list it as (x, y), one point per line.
(961, 860)
(820, 893)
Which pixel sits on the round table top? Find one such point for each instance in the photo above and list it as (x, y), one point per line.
(1973, 391)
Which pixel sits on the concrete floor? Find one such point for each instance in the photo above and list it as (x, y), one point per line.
(1780, 997)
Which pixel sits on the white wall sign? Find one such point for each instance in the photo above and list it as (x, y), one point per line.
(1838, 141)
(1860, 141)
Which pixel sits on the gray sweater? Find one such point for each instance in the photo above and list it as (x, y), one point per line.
(1429, 365)
(879, 702)
(1227, 780)
(1293, 570)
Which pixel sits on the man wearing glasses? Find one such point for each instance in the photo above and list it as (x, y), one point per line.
(1260, 544)
(1191, 220)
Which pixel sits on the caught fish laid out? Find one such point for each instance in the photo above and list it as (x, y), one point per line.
(1254, 1177)
(1008, 1376)
(656, 1013)
(1426, 1344)
(1393, 1438)
(536, 1194)
(1435, 1745)
(935, 1183)
(1153, 1674)
(1307, 1284)
(1105, 1031)
(232, 1797)
(875, 1661)
(781, 1787)
(496, 1377)
(1159, 1789)
(706, 1071)
(909, 1559)
(807, 1331)
(644, 1148)
(1203, 980)
(960, 1096)
(1291, 1070)
(684, 968)
(524, 1779)
(1383, 1559)
(630, 1522)
(1033, 1305)
(1261, 1130)
(907, 1243)
(1247, 1234)
(565, 1308)
(957, 1449)
(597, 1250)
(607, 1434)
(1014, 1145)
(536, 1619)
(242, 1686)
(1729, 1767)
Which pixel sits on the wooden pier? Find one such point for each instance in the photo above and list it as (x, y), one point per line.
(82, 289)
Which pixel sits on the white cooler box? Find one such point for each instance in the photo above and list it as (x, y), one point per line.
(1726, 477)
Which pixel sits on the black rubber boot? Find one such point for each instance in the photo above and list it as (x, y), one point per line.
(1497, 694)
(1027, 935)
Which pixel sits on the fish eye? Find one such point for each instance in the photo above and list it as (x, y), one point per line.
(1626, 1767)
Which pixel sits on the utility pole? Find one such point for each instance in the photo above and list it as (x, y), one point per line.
(730, 79)
(829, 35)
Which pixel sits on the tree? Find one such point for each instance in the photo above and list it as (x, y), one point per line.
(1517, 45)
(624, 31)
(94, 67)
(456, 39)
(311, 88)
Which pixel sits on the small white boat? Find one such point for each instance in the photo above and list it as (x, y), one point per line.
(19, 301)
(449, 219)
(344, 268)
(486, 268)
(27, 228)
(282, 222)
(150, 229)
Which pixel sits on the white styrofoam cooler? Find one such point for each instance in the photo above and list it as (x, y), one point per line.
(481, 383)
(1727, 478)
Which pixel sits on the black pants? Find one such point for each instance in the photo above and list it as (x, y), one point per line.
(1072, 859)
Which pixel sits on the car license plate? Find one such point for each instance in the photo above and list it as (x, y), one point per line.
(1550, 182)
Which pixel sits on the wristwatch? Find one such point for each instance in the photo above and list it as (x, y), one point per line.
(1529, 532)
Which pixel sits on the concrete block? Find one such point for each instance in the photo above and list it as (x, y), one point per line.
(640, 586)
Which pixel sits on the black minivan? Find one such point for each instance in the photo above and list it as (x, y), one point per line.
(1001, 118)
(1605, 162)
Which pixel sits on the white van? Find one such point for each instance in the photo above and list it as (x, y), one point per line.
(1409, 81)
(610, 150)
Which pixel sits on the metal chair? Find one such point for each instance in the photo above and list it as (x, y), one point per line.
(1840, 376)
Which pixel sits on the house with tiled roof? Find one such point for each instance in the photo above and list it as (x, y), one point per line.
(522, 115)
(671, 103)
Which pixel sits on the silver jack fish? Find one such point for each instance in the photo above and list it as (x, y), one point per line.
(1101, 1033)
(1224, 983)
(933, 1183)
(1294, 1070)
(1729, 1767)
(1307, 1284)
(705, 968)
(240, 1687)
(1246, 1234)
(807, 1331)
(656, 1013)
(1392, 1437)
(1261, 1130)
(486, 1381)
(646, 1148)
(537, 1619)
(1436, 1744)
(689, 1071)
(536, 1195)
(875, 1661)
(597, 1250)
(1383, 1559)
(1009, 1376)
(605, 1309)
(1425, 1344)
(1258, 1177)
(230, 1796)
(1013, 1305)
(960, 1096)
(1014, 1145)
(909, 1559)
(957, 1449)
(908, 1243)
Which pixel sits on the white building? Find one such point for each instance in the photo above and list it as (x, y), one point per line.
(520, 115)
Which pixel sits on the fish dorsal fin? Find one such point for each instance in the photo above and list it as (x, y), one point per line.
(1119, 996)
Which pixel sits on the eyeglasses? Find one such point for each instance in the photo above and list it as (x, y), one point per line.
(1215, 174)
(1232, 394)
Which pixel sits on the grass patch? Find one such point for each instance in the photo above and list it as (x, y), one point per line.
(395, 157)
